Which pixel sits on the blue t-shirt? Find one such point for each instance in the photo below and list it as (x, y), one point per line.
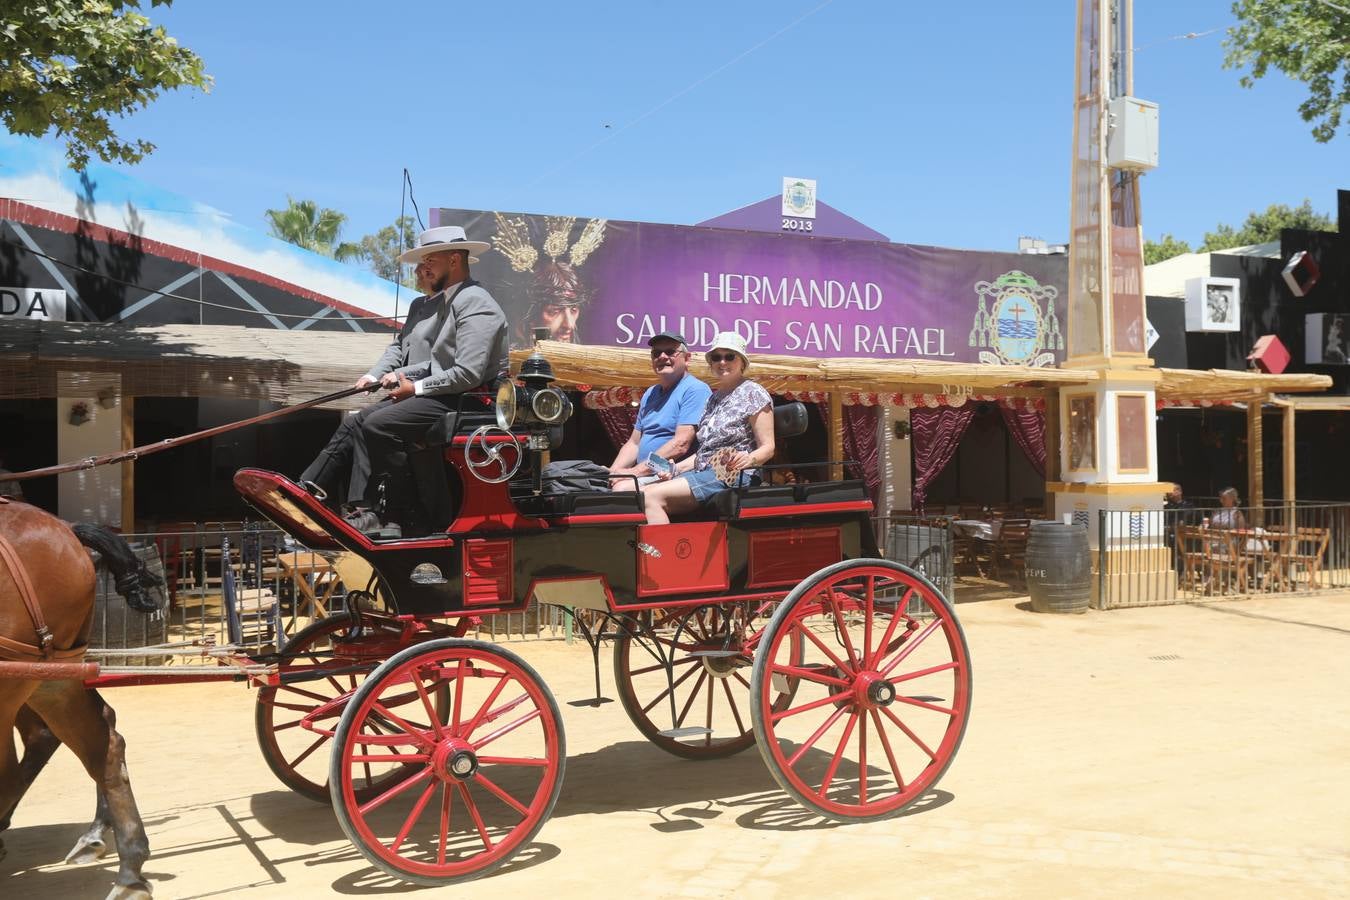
(662, 411)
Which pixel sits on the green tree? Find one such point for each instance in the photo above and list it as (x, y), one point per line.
(381, 249)
(302, 223)
(1168, 247)
(1308, 40)
(69, 66)
(1261, 227)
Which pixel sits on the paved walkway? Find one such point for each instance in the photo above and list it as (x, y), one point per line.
(1188, 751)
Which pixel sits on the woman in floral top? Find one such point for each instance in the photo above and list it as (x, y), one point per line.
(735, 436)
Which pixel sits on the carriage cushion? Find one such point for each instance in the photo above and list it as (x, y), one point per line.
(726, 504)
(789, 420)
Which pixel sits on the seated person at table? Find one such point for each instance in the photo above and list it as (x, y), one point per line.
(1229, 516)
(736, 432)
(667, 418)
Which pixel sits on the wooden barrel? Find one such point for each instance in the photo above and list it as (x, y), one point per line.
(1059, 568)
(118, 626)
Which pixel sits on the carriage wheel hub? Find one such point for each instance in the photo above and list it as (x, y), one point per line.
(874, 691)
(453, 760)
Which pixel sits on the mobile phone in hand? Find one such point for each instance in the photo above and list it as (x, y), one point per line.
(660, 465)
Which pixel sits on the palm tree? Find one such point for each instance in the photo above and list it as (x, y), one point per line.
(302, 223)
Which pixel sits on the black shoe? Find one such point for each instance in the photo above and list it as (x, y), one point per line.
(366, 522)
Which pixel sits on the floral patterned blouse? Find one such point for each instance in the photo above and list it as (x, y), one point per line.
(726, 421)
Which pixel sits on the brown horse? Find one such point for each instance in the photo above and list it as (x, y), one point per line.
(61, 574)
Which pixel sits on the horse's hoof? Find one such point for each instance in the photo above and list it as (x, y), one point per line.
(86, 850)
(138, 891)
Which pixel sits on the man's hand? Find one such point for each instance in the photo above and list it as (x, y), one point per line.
(363, 381)
(389, 381)
(403, 389)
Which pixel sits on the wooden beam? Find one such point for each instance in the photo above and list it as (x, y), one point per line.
(128, 405)
(836, 434)
(1052, 438)
(1255, 461)
(1289, 454)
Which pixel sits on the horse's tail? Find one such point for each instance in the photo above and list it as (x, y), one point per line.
(130, 576)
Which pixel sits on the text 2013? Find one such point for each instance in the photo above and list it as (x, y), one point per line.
(797, 224)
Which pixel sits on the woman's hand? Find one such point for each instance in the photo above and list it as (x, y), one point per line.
(740, 460)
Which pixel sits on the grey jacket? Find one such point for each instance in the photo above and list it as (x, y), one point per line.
(449, 345)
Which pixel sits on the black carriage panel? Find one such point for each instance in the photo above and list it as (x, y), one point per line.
(578, 566)
(730, 504)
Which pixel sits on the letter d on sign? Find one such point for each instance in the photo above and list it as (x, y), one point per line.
(30, 303)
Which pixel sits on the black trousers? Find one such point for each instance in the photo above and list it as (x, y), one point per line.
(370, 445)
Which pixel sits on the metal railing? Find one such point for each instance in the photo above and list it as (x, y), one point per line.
(924, 543)
(1157, 556)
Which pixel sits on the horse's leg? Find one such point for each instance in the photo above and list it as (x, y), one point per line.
(87, 725)
(38, 746)
(13, 694)
(91, 846)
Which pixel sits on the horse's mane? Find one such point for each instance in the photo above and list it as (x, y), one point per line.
(131, 578)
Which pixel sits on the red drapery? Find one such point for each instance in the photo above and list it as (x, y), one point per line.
(860, 445)
(618, 422)
(936, 435)
(1027, 427)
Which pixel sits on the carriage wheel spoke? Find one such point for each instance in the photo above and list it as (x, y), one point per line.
(473, 811)
(910, 647)
(507, 729)
(447, 799)
(741, 679)
(809, 675)
(702, 677)
(374, 804)
(839, 663)
(459, 694)
(911, 735)
(810, 742)
(735, 710)
(661, 667)
(896, 616)
(868, 604)
(841, 628)
(412, 731)
(390, 757)
(890, 754)
(838, 755)
(319, 742)
(483, 710)
(502, 795)
(416, 814)
(814, 704)
(661, 696)
(434, 719)
(922, 704)
(319, 698)
(512, 761)
(862, 759)
(920, 673)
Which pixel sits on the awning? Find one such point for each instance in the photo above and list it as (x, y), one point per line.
(186, 360)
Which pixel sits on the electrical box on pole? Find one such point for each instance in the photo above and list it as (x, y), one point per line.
(1132, 138)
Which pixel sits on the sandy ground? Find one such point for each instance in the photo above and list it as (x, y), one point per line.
(1197, 751)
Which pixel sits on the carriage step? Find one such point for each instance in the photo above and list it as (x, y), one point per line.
(688, 731)
(590, 701)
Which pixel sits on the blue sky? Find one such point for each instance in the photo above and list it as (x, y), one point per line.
(945, 124)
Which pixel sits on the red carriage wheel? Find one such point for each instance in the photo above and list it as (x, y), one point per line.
(884, 695)
(472, 790)
(702, 657)
(296, 754)
(295, 721)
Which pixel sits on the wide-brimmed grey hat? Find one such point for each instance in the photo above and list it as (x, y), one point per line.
(437, 240)
(729, 340)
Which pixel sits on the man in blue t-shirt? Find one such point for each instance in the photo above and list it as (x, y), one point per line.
(668, 415)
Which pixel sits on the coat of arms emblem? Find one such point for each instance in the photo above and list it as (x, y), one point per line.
(1018, 322)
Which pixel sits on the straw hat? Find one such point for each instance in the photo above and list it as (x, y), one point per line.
(437, 240)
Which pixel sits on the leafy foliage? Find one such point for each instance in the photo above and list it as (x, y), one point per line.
(382, 249)
(70, 65)
(1168, 247)
(1308, 40)
(1260, 227)
(302, 223)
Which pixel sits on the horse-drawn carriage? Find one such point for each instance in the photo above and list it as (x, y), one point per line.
(766, 620)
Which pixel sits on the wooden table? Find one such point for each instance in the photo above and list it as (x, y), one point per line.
(314, 578)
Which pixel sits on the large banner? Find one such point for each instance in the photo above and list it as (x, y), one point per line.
(597, 281)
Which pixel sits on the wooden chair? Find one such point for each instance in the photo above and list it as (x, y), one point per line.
(252, 615)
(1010, 547)
(1307, 551)
(1213, 561)
(1192, 549)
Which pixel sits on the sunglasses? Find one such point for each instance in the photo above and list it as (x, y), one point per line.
(721, 357)
(657, 354)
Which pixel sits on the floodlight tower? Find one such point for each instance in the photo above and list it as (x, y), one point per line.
(1108, 445)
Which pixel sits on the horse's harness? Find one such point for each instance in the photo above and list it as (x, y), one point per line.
(42, 650)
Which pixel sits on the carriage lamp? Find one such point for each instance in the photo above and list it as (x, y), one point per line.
(530, 399)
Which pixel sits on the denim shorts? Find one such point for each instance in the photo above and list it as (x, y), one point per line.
(704, 484)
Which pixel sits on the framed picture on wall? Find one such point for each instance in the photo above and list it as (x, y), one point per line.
(1327, 339)
(1213, 304)
(1082, 432)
